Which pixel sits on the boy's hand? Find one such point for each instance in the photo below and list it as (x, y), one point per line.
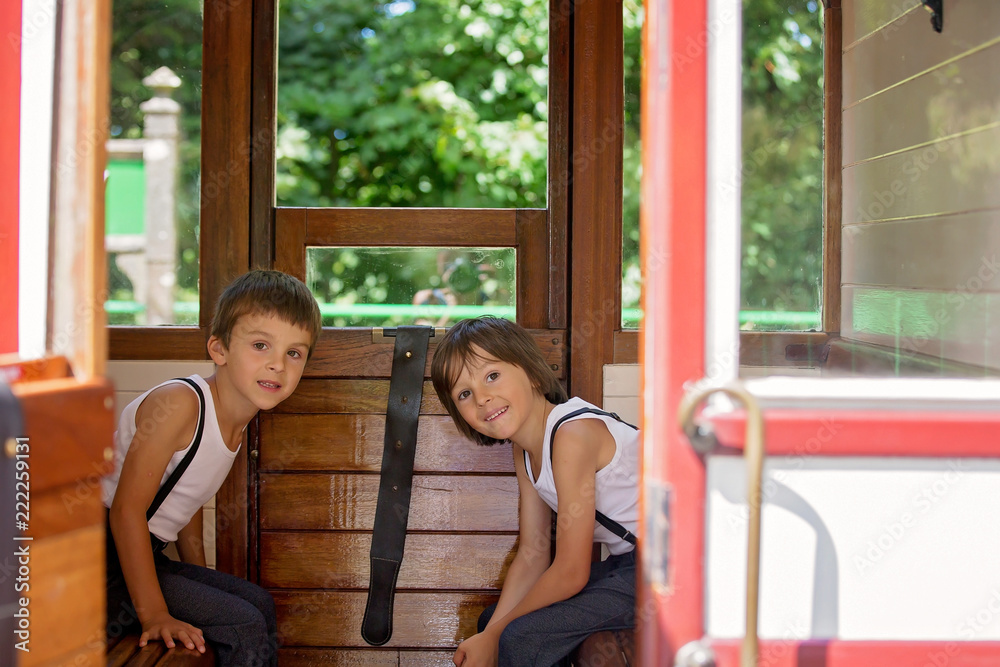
(478, 650)
(164, 627)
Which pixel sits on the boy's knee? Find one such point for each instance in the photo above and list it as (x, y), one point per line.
(517, 639)
(265, 603)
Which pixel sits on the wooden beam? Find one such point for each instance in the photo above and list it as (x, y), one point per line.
(596, 236)
(77, 260)
(532, 268)
(156, 343)
(445, 227)
(833, 81)
(560, 108)
(227, 65)
(264, 132)
(225, 147)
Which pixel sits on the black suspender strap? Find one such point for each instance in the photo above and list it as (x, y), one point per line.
(409, 359)
(601, 518)
(168, 485)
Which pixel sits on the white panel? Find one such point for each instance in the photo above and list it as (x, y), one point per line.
(722, 190)
(860, 549)
(208, 532)
(621, 380)
(625, 407)
(876, 393)
(142, 375)
(37, 61)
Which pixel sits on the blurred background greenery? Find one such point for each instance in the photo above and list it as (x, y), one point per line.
(444, 103)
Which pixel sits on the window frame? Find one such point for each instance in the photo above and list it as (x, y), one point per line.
(226, 155)
(239, 67)
(798, 348)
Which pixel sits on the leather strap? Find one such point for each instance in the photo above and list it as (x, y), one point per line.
(168, 485)
(409, 359)
(601, 518)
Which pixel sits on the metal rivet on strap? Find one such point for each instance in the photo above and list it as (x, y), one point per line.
(399, 443)
(408, 354)
(395, 488)
(404, 399)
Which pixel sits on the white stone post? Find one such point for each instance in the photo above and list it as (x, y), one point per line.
(161, 134)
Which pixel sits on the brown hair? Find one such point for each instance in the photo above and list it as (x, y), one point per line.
(260, 292)
(501, 339)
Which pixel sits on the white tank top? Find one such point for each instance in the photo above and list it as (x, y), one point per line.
(617, 484)
(201, 480)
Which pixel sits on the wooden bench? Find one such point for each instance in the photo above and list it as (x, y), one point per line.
(606, 649)
(125, 652)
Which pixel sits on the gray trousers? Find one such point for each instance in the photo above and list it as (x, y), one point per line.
(236, 617)
(546, 636)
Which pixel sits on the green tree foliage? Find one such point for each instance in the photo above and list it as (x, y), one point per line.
(782, 167)
(632, 19)
(429, 103)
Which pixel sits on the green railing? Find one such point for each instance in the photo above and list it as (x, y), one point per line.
(360, 312)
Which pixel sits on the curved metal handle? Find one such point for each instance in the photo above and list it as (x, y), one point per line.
(753, 454)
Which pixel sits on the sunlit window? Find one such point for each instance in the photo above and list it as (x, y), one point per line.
(390, 286)
(154, 157)
(631, 163)
(431, 103)
(782, 166)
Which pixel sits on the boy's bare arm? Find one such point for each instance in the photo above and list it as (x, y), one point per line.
(165, 424)
(191, 541)
(574, 469)
(534, 544)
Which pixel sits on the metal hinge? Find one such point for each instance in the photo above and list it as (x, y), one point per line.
(380, 334)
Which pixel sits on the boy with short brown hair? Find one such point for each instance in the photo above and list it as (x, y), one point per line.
(174, 447)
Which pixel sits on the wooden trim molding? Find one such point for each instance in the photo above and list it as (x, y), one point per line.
(596, 239)
(560, 107)
(77, 280)
(227, 143)
(532, 269)
(626, 347)
(456, 227)
(264, 131)
(833, 81)
(158, 343)
(225, 147)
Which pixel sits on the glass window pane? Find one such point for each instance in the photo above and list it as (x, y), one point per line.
(154, 162)
(631, 164)
(430, 103)
(372, 287)
(782, 171)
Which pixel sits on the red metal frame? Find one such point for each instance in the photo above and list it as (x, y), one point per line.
(672, 338)
(835, 653)
(868, 433)
(10, 129)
